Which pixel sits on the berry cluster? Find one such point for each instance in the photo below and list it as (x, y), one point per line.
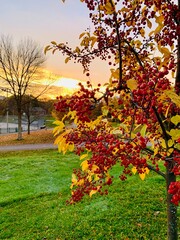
(174, 189)
(120, 38)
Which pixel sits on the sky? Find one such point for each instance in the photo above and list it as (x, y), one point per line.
(51, 20)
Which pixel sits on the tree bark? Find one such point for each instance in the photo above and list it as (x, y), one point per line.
(19, 125)
(29, 124)
(171, 209)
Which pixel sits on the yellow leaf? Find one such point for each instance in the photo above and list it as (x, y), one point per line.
(175, 119)
(165, 51)
(77, 50)
(58, 128)
(170, 143)
(94, 168)
(133, 135)
(81, 182)
(85, 165)
(83, 156)
(67, 59)
(53, 42)
(58, 140)
(142, 176)
(134, 170)
(115, 151)
(129, 23)
(63, 146)
(157, 30)
(163, 143)
(108, 176)
(124, 9)
(156, 150)
(47, 48)
(167, 110)
(160, 19)
(71, 147)
(173, 96)
(74, 179)
(120, 117)
(132, 84)
(142, 32)
(170, 151)
(96, 177)
(149, 23)
(147, 170)
(81, 35)
(138, 43)
(115, 73)
(109, 7)
(71, 114)
(151, 33)
(95, 123)
(93, 41)
(116, 131)
(92, 192)
(59, 123)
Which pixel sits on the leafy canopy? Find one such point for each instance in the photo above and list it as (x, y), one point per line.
(139, 39)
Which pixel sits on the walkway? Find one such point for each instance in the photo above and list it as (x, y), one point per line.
(28, 147)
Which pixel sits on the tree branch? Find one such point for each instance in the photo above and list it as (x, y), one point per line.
(157, 171)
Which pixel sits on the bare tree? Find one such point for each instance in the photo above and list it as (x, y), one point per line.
(19, 66)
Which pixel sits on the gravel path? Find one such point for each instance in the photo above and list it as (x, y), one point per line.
(28, 147)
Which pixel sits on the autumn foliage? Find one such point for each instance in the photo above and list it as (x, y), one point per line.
(140, 41)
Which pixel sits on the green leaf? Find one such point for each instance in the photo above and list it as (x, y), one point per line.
(143, 130)
(173, 96)
(105, 110)
(175, 119)
(174, 133)
(177, 146)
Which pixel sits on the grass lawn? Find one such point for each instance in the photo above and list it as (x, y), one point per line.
(34, 187)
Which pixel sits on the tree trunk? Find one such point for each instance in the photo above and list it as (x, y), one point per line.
(29, 124)
(171, 209)
(19, 125)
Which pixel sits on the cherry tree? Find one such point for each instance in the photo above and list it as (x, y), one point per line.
(141, 41)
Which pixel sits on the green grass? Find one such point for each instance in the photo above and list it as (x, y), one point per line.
(49, 121)
(34, 187)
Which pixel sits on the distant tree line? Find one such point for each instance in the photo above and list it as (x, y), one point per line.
(29, 106)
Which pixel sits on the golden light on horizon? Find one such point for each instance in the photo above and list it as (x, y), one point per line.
(66, 83)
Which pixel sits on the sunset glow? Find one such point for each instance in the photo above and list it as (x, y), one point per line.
(66, 83)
